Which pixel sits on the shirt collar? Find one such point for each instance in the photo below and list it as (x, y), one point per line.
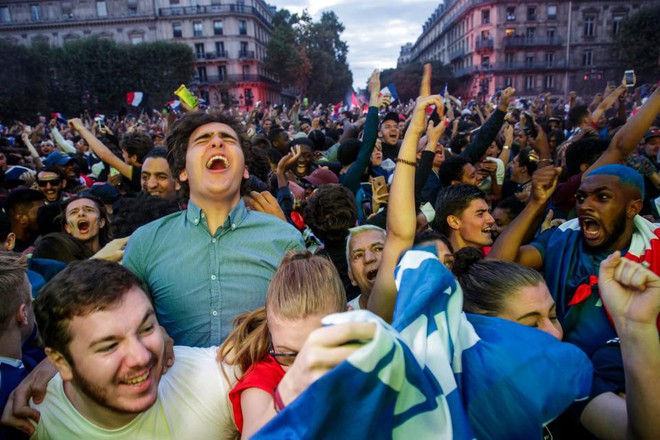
(195, 215)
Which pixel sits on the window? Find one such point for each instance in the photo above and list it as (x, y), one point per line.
(530, 33)
(509, 32)
(552, 12)
(508, 82)
(197, 29)
(246, 70)
(201, 74)
(199, 50)
(35, 12)
(137, 38)
(249, 97)
(529, 60)
(242, 27)
(485, 62)
(244, 48)
(220, 48)
(549, 59)
(589, 26)
(174, 2)
(222, 72)
(531, 13)
(511, 13)
(485, 16)
(4, 14)
(548, 82)
(550, 34)
(176, 30)
(616, 23)
(101, 8)
(132, 10)
(217, 27)
(508, 58)
(587, 58)
(529, 82)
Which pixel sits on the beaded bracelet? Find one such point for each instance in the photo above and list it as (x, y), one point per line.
(406, 162)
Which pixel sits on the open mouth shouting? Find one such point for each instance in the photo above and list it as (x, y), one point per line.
(371, 275)
(591, 228)
(83, 226)
(217, 162)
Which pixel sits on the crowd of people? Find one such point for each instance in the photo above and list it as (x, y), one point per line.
(206, 273)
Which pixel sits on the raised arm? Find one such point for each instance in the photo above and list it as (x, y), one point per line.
(631, 294)
(509, 245)
(103, 152)
(627, 138)
(401, 219)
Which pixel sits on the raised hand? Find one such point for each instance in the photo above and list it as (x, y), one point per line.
(630, 292)
(544, 182)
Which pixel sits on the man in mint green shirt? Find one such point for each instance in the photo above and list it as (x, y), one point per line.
(213, 261)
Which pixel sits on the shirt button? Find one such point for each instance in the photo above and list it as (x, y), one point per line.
(203, 215)
(233, 226)
(196, 221)
(213, 240)
(213, 277)
(215, 313)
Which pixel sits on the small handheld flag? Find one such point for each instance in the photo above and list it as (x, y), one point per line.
(134, 98)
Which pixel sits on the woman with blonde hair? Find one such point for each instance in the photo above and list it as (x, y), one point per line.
(265, 342)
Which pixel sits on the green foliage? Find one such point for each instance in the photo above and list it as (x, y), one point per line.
(92, 74)
(310, 55)
(637, 44)
(408, 77)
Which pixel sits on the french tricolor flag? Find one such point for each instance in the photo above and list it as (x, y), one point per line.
(174, 105)
(134, 98)
(389, 89)
(58, 117)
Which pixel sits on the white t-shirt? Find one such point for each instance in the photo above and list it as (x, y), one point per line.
(192, 403)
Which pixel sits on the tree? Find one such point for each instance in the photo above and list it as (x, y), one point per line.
(287, 58)
(637, 44)
(407, 78)
(92, 74)
(310, 55)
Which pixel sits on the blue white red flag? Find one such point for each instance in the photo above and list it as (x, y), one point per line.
(391, 89)
(58, 116)
(174, 105)
(134, 98)
(437, 373)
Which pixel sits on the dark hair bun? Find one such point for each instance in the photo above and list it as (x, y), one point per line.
(464, 259)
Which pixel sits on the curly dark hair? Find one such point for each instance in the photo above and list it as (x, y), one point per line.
(330, 212)
(179, 135)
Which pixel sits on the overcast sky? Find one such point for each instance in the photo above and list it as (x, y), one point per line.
(375, 29)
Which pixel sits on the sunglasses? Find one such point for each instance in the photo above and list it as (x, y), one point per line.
(53, 182)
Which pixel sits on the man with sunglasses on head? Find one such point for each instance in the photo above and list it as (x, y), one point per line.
(51, 183)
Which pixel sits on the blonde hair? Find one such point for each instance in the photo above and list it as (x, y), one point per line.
(304, 285)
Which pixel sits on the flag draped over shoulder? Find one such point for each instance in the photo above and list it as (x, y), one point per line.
(437, 374)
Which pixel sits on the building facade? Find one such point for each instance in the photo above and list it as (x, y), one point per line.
(228, 37)
(536, 47)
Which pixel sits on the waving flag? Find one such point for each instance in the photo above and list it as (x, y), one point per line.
(437, 374)
(174, 105)
(58, 117)
(391, 90)
(134, 98)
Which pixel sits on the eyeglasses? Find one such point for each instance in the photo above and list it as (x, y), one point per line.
(53, 182)
(284, 359)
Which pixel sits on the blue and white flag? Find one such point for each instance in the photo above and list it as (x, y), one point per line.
(434, 374)
(391, 90)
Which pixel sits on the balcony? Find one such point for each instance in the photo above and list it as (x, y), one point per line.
(215, 55)
(215, 10)
(456, 55)
(230, 79)
(526, 67)
(24, 20)
(519, 41)
(484, 45)
(246, 54)
(463, 71)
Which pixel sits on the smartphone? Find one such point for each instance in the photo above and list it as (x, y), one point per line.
(629, 78)
(529, 125)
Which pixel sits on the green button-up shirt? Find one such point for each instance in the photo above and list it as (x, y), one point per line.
(201, 281)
